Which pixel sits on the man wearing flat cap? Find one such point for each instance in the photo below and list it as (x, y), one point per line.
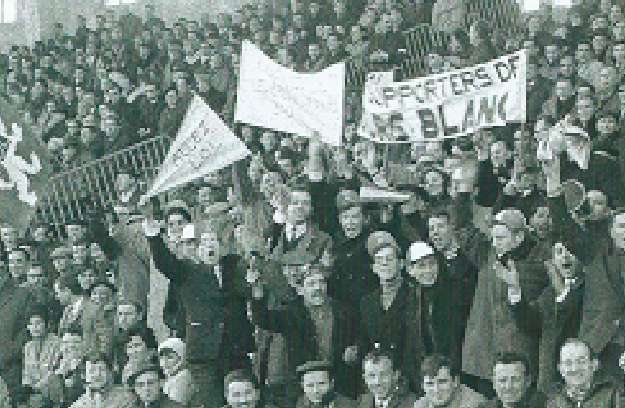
(507, 272)
(318, 385)
(352, 277)
(390, 320)
(314, 326)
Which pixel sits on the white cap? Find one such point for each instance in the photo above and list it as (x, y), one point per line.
(175, 344)
(188, 232)
(419, 250)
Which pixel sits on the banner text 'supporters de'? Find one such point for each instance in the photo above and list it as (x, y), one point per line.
(447, 105)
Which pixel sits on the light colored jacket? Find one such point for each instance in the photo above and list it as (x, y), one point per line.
(116, 397)
(40, 364)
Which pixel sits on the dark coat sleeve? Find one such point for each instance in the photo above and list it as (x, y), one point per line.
(487, 184)
(165, 261)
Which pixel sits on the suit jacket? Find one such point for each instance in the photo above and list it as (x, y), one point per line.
(398, 400)
(295, 323)
(604, 300)
(216, 322)
(454, 291)
(312, 242)
(558, 321)
(490, 185)
(397, 329)
(352, 277)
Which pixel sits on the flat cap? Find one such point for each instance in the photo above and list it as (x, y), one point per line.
(347, 199)
(511, 218)
(378, 240)
(309, 366)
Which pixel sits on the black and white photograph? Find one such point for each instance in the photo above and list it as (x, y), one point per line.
(312, 203)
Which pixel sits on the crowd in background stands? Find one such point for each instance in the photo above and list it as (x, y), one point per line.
(497, 282)
(126, 80)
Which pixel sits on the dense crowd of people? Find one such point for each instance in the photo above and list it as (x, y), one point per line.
(494, 278)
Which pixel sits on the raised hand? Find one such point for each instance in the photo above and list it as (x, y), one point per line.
(151, 228)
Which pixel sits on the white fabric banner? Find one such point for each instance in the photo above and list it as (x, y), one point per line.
(204, 144)
(276, 97)
(446, 105)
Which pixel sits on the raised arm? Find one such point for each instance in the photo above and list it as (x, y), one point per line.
(164, 260)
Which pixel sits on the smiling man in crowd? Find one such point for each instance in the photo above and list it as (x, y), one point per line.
(582, 386)
(442, 387)
(513, 384)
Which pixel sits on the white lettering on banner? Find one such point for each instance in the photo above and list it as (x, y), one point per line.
(292, 102)
(204, 144)
(446, 105)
